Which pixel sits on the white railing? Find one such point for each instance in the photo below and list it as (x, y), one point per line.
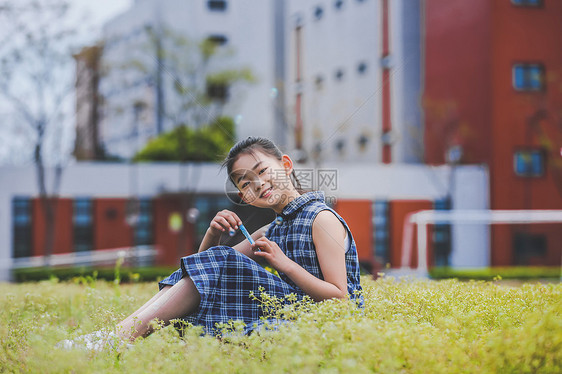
(97, 257)
(425, 217)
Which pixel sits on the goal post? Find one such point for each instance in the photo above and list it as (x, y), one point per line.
(421, 219)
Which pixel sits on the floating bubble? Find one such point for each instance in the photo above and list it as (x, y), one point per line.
(231, 232)
(238, 119)
(273, 93)
(192, 215)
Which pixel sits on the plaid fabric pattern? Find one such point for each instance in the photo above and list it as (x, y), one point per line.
(224, 277)
(294, 236)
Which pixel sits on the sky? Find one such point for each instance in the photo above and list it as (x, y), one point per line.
(89, 16)
(100, 11)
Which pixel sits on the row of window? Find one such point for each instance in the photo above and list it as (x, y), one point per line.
(83, 218)
(339, 75)
(381, 233)
(318, 12)
(527, 3)
(525, 77)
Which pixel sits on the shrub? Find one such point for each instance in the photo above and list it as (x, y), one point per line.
(406, 326)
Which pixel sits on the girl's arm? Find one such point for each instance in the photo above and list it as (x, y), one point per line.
(223, 221)
(328, 235)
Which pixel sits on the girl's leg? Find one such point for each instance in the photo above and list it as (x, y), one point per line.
(147, 304)
(172, 302)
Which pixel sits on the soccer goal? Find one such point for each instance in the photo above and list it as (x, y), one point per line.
(421, 219)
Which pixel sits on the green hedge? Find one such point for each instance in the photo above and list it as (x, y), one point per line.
(141, 274)
(150, 274)
(515, 272)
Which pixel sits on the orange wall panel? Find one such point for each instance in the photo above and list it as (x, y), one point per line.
(62, 242)
(358, 215)
(110, 228)
(399, 209)
(172, 244)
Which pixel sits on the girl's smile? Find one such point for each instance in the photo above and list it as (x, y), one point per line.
(263, 180)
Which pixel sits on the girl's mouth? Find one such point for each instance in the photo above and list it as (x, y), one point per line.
(267, 192)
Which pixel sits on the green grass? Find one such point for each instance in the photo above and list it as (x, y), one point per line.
(511, 272)
(140, 274)
(407, 326)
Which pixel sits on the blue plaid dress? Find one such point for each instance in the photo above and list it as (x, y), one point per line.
(224, 277)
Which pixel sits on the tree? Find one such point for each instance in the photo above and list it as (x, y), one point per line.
(208, 143)
(36, 82)
(192, 80)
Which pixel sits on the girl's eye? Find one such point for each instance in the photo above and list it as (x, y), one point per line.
(263, 170)
(245, 184)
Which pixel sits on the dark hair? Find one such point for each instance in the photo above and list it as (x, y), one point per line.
(250, 145)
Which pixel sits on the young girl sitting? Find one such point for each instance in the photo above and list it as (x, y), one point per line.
(309, 245)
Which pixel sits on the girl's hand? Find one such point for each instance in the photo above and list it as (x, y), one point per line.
(270, 251)
(224, 221)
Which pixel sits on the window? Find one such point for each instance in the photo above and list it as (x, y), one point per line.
(529, 249)
(381, 230)
(217, 91)
(217, 39)
(528, 77)
(338, 4)
(208, 206)
(529, 163)
(529, 3)
(21, 216)
(82, 220)
(442, 235)
(318, 13)
(339, 74)
(143, 227)
(319, 82)
(340, 145)
(362, 68)
(216, 5)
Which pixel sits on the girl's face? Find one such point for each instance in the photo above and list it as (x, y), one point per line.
(263, 180)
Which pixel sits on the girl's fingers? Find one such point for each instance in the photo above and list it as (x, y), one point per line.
(217, 226)
(263, 245)
(223, 222)
(231, 218)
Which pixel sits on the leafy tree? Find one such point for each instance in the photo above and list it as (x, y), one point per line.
(36, 81)
(208, 143)
(192, 80)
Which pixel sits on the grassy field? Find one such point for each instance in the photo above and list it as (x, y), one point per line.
(406, 327)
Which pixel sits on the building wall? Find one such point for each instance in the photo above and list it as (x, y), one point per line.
(109, 186)
(338, 113)
(249, 27)
(399, 210)
(87, 104)
(526, 120)
(110, 225)
(457, 99)
(470, 101)
(358, 216)
(62, 237)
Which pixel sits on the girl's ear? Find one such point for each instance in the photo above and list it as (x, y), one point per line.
(287, 164)
(240, 195)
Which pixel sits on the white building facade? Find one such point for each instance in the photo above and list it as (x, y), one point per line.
(141, 103)
(375, 185)
(353, 80)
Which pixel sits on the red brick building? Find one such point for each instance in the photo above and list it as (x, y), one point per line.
(493, 95)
